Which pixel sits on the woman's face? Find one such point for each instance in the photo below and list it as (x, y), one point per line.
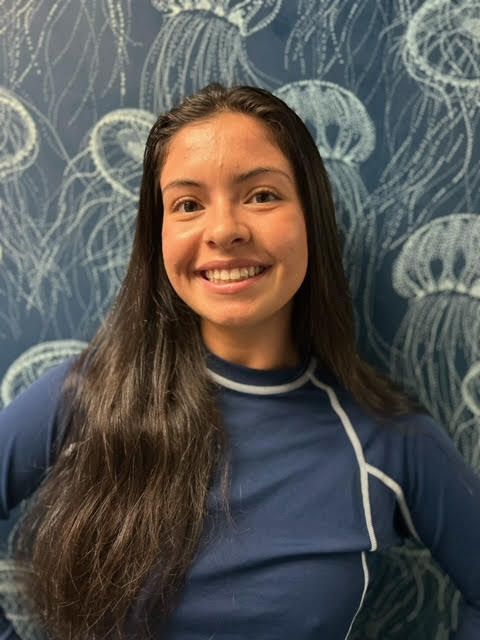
(229, 193)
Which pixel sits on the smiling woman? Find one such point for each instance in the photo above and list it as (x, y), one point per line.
(219, 462)
(226, 227)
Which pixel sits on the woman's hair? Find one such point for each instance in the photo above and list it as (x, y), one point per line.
(126, 497)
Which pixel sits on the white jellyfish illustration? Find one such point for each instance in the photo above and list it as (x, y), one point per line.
(38, 36)
(19, 143)
(328, 38)
(98, 205)
(20, 234)
(441, 51)
(18, 150)
(344, 133)
(431, 73)
(202, 41)
(467, 417)
(438, 272)
(471, 389)
(33, 362)
(345, 136)
(315, 27)
(407, 583)
(31, 281)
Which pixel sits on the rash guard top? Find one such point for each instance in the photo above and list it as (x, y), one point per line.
(317, 487)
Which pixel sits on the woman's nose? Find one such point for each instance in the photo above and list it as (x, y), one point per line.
(224, 225)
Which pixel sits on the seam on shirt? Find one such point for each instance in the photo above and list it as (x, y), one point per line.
(357, 447)
(399, 496)
(366, 578)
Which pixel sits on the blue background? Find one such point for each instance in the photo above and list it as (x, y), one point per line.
(390, 92)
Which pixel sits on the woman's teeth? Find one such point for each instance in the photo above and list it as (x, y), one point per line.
(233, 275)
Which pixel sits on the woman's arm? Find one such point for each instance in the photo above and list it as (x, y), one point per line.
(27, 432)
(443, 494)
(7, 632)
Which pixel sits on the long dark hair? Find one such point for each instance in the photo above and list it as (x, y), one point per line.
(125, 499)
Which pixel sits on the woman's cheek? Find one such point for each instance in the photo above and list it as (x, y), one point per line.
(179, 251)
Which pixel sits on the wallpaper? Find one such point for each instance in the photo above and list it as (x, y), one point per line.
(390, 91)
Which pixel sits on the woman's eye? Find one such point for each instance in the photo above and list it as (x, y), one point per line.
(187, 204)
(263, 195)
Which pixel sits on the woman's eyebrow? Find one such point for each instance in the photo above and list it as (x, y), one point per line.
(241, 177)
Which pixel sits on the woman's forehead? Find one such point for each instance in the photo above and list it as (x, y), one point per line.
(225, 140)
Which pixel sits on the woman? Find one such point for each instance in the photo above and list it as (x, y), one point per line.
(229, 355)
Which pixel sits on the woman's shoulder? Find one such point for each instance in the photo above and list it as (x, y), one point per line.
(28, 430)
(39, 392)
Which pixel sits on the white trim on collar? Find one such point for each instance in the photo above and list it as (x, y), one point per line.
(265, 390)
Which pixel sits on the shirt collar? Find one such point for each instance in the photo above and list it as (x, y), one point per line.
(259, 381)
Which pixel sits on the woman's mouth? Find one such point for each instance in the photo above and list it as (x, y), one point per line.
(235, 280)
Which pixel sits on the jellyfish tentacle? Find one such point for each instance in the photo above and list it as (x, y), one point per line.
(438, 272)
(471, 389)
(97, 204)
(242, 15)
(207, 44)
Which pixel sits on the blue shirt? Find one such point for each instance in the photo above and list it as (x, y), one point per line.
(317, 487)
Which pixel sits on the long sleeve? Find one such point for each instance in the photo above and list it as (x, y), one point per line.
(27, 432)
(443, 494)
(7, 631)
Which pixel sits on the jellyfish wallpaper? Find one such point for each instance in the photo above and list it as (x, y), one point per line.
(390, 92)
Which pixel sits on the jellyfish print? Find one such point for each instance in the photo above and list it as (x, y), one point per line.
(30, 280)
(438, 272)
(467, 418)
(432, 76)
(34, 362)
(313, 30)
(19, 56)
(442, 53)
(330, 36)
(19, 235)
(397, 598)
(97, 204)
(117, 144)
(471, 389)
(19, 136)
(202, 41)
(94, 37)
(345, 136)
